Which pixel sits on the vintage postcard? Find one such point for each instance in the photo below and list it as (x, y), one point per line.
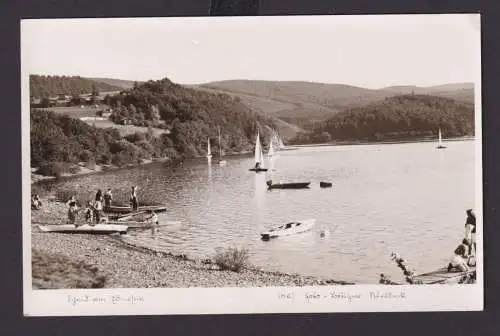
(228, 165)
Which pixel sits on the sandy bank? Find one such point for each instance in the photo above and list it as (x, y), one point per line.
(123, 265)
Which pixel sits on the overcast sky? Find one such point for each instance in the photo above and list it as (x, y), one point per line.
(368, 51)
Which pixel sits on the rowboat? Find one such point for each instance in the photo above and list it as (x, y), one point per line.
(443, 276)
(325, 184)
(127, 209)
(85, 228)
(295, 185)
(289, 229)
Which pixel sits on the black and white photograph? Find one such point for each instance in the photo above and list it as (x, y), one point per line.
(219, 165)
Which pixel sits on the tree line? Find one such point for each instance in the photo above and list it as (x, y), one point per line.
(50, 86)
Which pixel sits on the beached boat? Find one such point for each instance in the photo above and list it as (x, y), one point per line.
(325, 184)
(258, 157)
(292, 185)
(127, 209)
(440, 144)
(443, 276)
(85, 228)
(289, 229)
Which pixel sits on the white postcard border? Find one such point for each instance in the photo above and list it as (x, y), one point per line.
(161, 301)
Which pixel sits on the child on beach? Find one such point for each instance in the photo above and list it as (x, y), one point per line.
(89, 213)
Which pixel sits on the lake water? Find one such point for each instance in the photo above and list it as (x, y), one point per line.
(407, 198)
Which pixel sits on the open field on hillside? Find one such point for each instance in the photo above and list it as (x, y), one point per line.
(123, 129)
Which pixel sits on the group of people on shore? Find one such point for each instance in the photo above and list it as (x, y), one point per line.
(94, 210)
(464, 255)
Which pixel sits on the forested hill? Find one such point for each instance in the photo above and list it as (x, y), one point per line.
(396, 118)
(191, 116)
(50, 86)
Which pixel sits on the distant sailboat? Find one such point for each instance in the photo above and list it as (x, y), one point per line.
(271, 151)
(221, 161)
(440, 141)
(209, 151)
(258, 156)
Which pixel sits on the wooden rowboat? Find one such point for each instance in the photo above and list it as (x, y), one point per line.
(295, 185)
(127, 209)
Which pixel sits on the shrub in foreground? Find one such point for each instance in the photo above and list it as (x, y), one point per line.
(233, 258)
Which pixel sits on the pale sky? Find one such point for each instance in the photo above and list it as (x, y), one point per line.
(367, 51)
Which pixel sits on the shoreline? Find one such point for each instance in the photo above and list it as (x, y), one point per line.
(384, 142)
(116, 263)
(35, 178)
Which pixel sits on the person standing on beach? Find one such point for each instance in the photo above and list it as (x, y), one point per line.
(108, 197)
(98, 196)
(470, 230)
(72, 210)
(133, 199)
(98, 211)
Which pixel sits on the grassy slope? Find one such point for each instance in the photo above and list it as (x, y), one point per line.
(306, 99)
(125, 84)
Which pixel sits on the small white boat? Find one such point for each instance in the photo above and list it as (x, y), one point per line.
(85, 228)
(289, 229)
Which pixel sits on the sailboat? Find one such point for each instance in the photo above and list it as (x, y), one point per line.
(271, 151)
(440, 141)
(209, 151)
(259, 157)
(221, 161)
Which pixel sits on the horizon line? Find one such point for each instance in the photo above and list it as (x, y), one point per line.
(253, 80)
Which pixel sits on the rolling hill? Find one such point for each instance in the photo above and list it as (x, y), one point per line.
(305, 103)
(400, 117)
(121, 83)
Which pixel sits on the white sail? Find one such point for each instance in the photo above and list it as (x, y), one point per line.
(221, 161)
(261, 160)
(440, 140)
(271, 147)
(280, 142)
(257, 149)
(209, 151)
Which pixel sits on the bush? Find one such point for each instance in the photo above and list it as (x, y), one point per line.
(74, 169)
(233, 259)
(53, 169)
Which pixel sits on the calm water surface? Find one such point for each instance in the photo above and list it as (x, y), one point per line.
(407, 198)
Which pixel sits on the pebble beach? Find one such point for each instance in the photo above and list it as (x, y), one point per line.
(105, 261)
